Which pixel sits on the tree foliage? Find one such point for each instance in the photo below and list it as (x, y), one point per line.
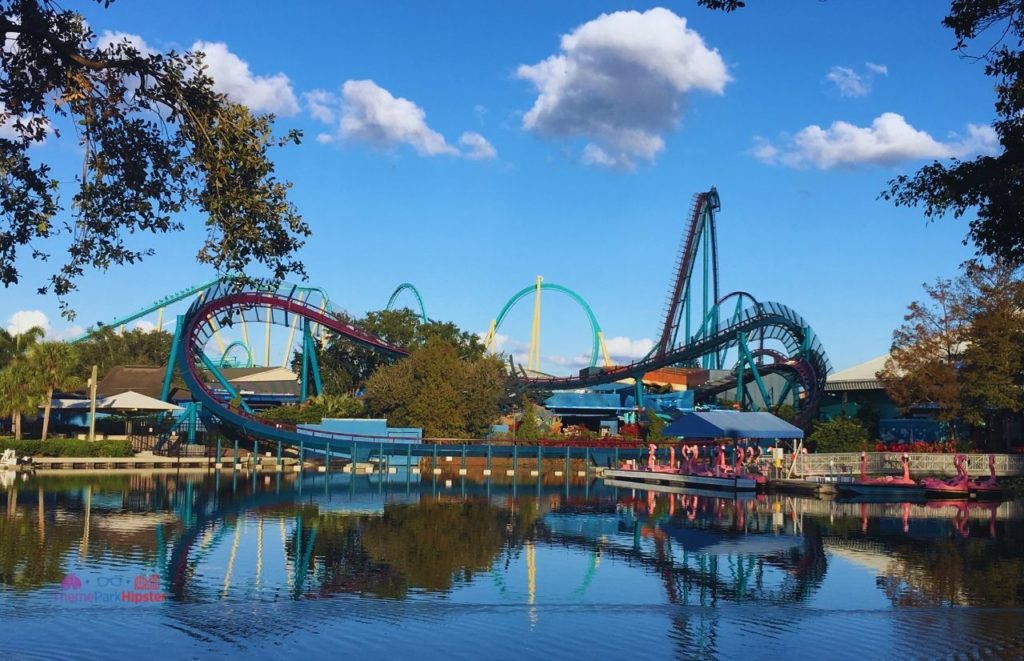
(346, 366)
(17, 345)
(18, 393)
(156, 138)
(107, 348)
(839, 435)
(439, 391)
(926, 350)
(992, 368)
(962, 352)
(655, 426)
(315, 409)
(54, 366)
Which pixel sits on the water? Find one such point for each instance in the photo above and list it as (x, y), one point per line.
(195, 565)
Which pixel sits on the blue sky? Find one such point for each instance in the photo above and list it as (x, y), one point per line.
(440, 150)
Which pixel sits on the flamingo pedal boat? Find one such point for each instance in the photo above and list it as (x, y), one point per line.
(886, 488)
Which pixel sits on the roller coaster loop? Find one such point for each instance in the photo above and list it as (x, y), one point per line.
(595, 328)
(415, 292)
(237, 343)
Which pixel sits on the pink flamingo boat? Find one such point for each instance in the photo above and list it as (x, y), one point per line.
(954, 487)
(986, 488)
(886, 487)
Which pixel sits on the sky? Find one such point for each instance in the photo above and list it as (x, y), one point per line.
(469, 147)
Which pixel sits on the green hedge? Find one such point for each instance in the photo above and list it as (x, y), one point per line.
(65, 447)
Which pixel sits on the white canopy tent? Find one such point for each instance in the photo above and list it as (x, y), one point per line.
(126, 402)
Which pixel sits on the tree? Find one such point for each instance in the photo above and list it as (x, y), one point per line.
(529, 428)
(962, 352)
(315, 409)
(16, 345)
(346, 366)
(992, 370)
(156, 139)
(107, 348)
(54, 365)
(655, 426)
(926, 351)
(840, 434)
(18, 393)
(436, 390)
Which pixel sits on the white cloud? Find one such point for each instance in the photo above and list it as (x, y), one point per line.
(231, 76)
(144, 326)
(366, 112)
(624, 349)
(23, 320)
(620, 80)
(321, 105)
(621, 349)
(889, 140)
(849, 82)
(476, 146)
(581, 360)
(109, 39)
(497, 344)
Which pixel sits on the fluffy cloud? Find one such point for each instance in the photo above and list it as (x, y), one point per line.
(624, 349)
(231, 76)
(850, 83)
(144, 325)
(366, 112)
(620, 81)
(476, 146)
(23, 320)
(889, 140)
(109, 39)
(621, 350)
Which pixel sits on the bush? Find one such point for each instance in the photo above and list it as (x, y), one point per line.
(59, 447)
(840, 435)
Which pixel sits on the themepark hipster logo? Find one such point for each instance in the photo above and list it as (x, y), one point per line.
(141, 589)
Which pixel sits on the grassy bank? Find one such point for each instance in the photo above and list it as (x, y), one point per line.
(68, 447)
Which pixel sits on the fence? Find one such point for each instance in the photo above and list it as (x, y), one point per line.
(888, 463)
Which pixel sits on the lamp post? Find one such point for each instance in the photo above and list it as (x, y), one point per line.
(513, 424)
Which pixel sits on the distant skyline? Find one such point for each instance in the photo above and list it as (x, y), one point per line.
(469, 148)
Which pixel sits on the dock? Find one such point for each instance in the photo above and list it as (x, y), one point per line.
(680, 480)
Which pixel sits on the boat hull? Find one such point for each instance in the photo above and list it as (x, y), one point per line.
(882, 492)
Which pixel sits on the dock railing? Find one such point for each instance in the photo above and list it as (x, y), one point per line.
(888, 463)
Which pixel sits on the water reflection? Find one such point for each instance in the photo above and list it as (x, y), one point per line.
(229, 550)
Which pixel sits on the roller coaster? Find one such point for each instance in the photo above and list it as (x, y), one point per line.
(700, 328)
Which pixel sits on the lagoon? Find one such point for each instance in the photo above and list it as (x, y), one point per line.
(236, 564)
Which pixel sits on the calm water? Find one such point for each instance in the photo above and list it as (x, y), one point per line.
(194, 566)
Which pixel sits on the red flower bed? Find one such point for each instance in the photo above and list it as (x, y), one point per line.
(918, 447)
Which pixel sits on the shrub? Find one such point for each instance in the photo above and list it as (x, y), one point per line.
(59, 447)
(840, 435)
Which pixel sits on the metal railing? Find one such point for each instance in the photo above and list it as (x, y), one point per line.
(888, 463)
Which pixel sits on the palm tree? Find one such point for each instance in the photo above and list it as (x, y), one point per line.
(17, 345)
(18, 393)
(53, 363)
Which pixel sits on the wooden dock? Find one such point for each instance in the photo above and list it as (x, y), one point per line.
(679, 480)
